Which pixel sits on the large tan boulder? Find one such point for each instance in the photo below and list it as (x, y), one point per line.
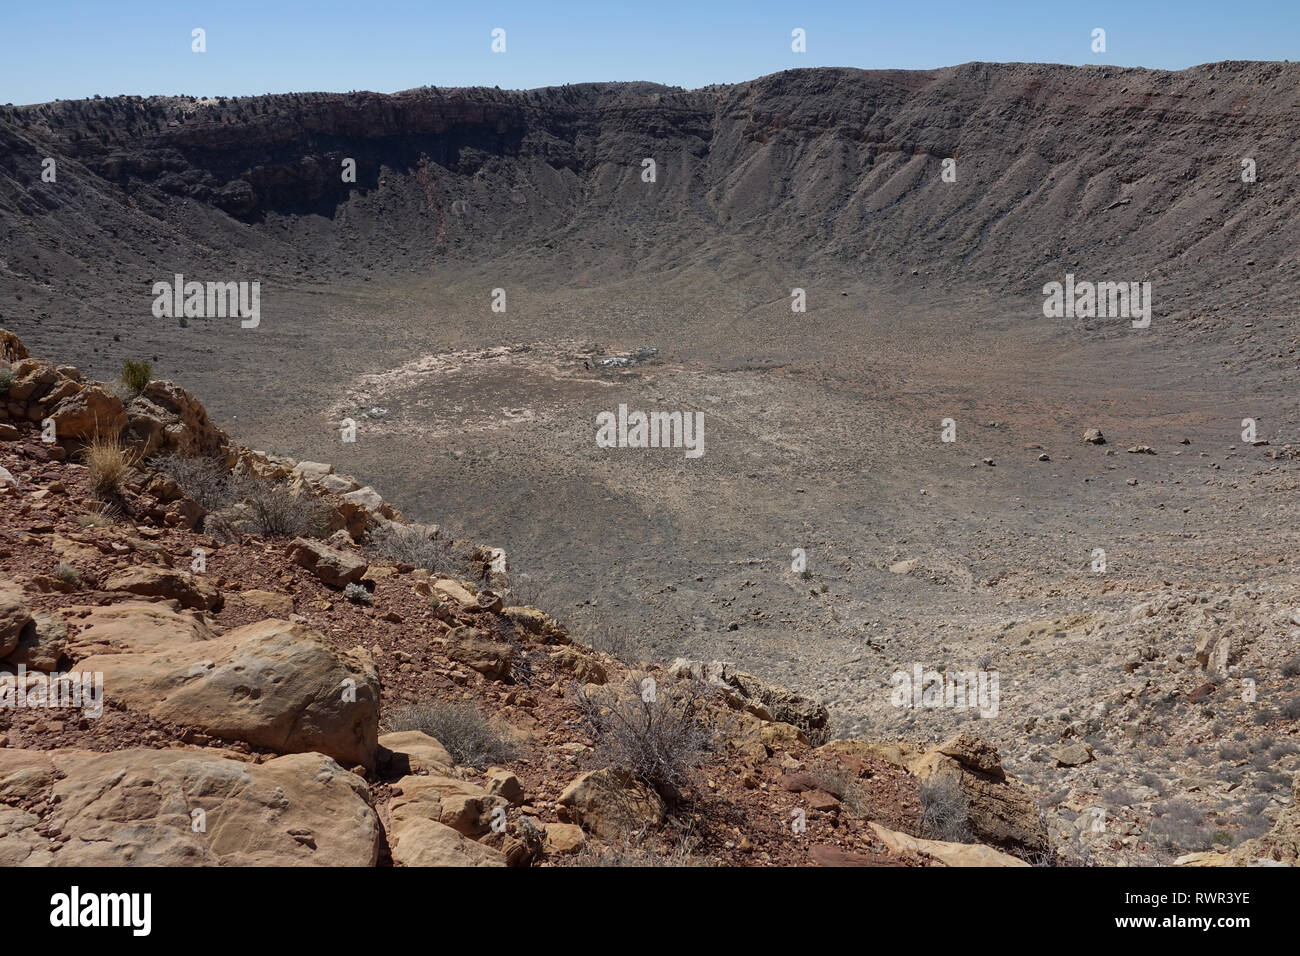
(333, 567)
(948, 854)
(423, 842)
(92, 411)
(612, 804)
(458, 804)
(150, 581)
(134, 626)
(273, 684)
(166, 419)
(188, 808)
(1003, 811)
(413, 751)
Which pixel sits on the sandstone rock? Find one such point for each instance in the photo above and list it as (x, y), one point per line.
(464, 807)
(313, 470)
(14, 616)
(471, 647)
(504, 784)
(763, 699)
(1073, 755)
(166, 419)
(181, 586)
(335, 568)
(423, 842)
(92, 411)
(42, 645)
(20, 844)
(337, 484)
(949, 854)
(1003, 811)
(1093, 436)
(7, 480)
(412, 751)
(138, 807)
(273, 602)
(273, 684)
(454, 591)
(133, 626)
(612, 804)
(564, 838)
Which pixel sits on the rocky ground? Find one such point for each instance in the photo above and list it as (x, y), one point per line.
(256, 711)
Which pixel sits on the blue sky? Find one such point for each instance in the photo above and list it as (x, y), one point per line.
(75, 48)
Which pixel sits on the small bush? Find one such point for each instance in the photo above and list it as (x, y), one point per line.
(278, 513)
(136, 376)
(1290, 709)
(107, 462)
(68, 574)
(206, 481)
(7, 379)
(660, 741)
(406, 545)
(1290, 667)
(1179, 827)
(945, 811)
(470, 739)
(1232, 751)
(358, 594)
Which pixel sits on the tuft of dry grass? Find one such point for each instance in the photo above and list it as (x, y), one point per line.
(107, 462)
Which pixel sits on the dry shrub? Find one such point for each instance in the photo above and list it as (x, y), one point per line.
(107, 462)
(945, 811)
(657, 733)
(205, 481)
(460, 728)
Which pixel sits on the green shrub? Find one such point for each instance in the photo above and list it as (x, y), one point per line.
(136, 376)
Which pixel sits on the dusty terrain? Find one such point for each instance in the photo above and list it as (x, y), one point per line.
(823, 429)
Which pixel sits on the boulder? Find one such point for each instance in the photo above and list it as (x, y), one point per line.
(166, 419)
(281, 605)
(473, 648)
(336, 568)
(92, 411)
(612, 804)
(562, 838)
(42, 645)
(412, 751)
(1003, 811)
(458, 804)
(948, 854)
(133, 626)
(15, 615)
(272, 684)
(762, 699)
(422, 842)
(180, 586)
(504, 784)
(141, 807)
